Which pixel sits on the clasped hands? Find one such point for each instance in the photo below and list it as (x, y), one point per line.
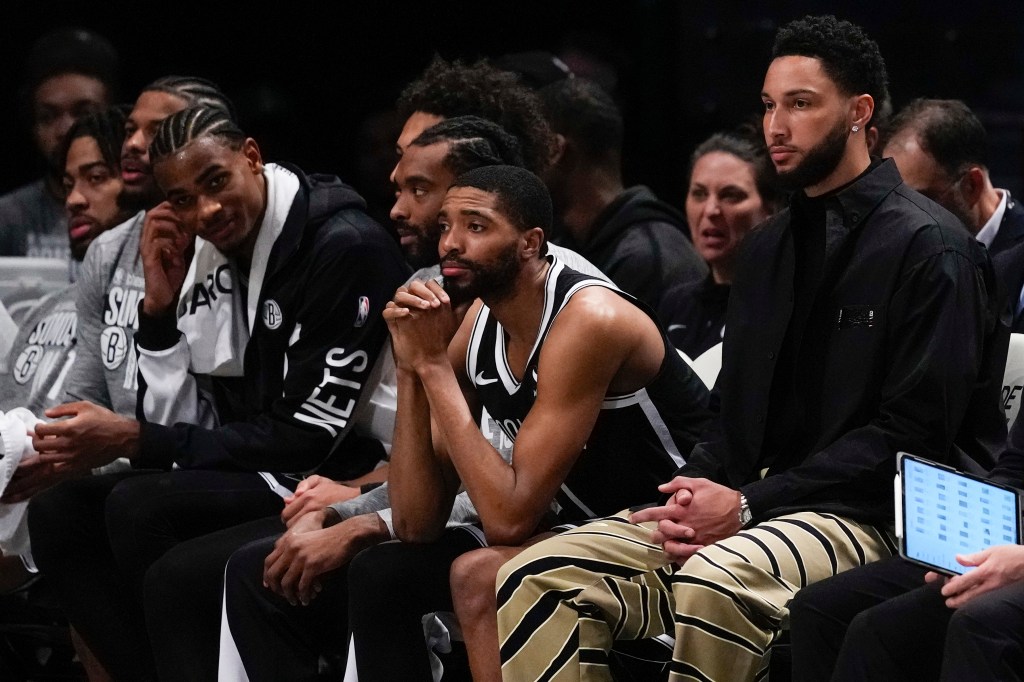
(698, 512)
(314, 543)
(422, 323)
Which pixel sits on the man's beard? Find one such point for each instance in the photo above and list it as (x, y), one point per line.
(422, 252)
(136, 199)
(820, 161)
(493, 281)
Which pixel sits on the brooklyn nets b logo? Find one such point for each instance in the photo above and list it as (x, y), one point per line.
(113, 347)
(272, 317)
(27, 363)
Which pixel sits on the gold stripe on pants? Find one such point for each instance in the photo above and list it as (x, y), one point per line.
(563, 602)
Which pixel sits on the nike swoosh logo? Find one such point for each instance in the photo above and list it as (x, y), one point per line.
(480, 381)
(673, 327)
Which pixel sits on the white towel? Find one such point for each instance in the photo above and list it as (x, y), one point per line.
(17, 444)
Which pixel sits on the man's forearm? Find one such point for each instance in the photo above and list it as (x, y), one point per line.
(490, 481)
(420, 500)
(365, 529)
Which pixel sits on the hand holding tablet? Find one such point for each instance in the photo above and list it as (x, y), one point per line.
(941, 513)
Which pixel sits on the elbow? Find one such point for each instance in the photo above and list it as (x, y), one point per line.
(510, 534)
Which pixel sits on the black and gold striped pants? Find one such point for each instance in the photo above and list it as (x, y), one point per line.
(563, 602)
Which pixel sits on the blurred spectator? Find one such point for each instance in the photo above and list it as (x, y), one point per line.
(69, 72)
(635, 239)
(731, 189)
(941, 150)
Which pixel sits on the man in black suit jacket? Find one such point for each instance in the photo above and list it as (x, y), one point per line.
(940, 148)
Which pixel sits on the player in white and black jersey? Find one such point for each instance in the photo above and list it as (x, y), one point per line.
(637, 433)
(600, 346)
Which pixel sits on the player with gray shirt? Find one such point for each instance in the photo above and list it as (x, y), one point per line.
(108, 293)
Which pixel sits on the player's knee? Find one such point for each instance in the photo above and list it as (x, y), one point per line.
(806, 607)
(520, 575)
(472, 579)
(864, 629)
(130, 503)
(243, 576)
(163, 581)
(378, 576)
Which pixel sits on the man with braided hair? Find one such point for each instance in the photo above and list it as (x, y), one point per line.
(258, 337)
(158, 100)
(450, 89)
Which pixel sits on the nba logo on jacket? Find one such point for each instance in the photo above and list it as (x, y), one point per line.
(363, 312)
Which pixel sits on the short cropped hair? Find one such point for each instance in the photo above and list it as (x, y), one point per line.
(473, 142)
(851, 59)
(450, 89)
(73, 50)
(194, 92)
(188, 125)
(522, 196)
(743, 144)
(582, 111)
(106, 127)
(947, 129)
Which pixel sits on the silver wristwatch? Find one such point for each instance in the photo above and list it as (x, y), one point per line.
(745, 515)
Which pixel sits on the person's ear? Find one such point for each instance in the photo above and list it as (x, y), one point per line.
(871, 136)
(251, 152)
(861, 111)
(558, 149)
(533, 243)
(972, 185)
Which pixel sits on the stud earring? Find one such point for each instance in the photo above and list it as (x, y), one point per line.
(856, 129)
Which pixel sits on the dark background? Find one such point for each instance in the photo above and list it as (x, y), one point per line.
(305, 75)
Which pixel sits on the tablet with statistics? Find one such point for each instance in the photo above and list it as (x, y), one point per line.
(941, 513)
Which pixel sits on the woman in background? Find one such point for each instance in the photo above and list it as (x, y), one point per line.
(731, 190)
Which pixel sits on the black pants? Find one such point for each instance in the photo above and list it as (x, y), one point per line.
(391, 587)
(95, 538)
(183, 599)
(278, 641)
(910, 636)
(985, 637)
(825, 618)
